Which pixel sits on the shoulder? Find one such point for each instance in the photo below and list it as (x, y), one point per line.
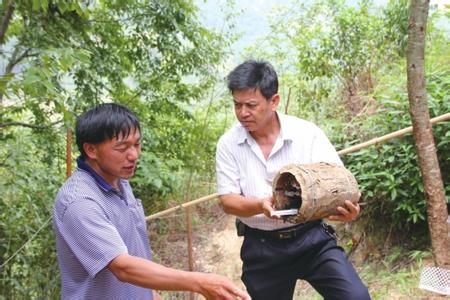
(293, 120)
(232, 135)
(297, 126)
(80, 187)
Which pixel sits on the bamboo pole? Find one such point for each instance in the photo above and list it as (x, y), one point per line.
(287, 102)
(68, 152)
(190, 244)
(187, 210)
(354, 148)
(183, 205)
(389, 136)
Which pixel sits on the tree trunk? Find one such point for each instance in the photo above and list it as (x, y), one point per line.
(423, 135)
(5, 20)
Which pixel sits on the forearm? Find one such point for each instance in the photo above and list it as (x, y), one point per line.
(145, 273)
(241, 206)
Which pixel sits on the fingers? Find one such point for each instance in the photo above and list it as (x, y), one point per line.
(240, 294)
(346, 214)
(235, 294)
(219, 287)
(267, 207)
(353, 209)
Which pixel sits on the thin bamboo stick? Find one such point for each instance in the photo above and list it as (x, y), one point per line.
(287, 102)
(389, 136)
(354, 148)
(183, 205)
(68, 152)
(190, 244)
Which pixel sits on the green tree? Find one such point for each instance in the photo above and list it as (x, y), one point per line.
(327, 49)
(423, 134)
(61, 57)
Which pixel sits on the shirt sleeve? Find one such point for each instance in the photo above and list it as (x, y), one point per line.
(322, 150)
(93, 239)
(227, 171)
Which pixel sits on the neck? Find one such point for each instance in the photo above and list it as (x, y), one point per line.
(268, 131)
(113, 181)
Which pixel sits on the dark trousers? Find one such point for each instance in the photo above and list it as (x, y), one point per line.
(272, 266)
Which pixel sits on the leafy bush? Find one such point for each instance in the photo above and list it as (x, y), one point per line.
(61, 58)
(389, 174)
(28, 191)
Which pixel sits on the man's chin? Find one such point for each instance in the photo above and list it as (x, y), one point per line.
(248, 127)
(127, 174)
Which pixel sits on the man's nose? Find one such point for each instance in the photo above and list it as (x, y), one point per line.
(133, 153)
(244, 111)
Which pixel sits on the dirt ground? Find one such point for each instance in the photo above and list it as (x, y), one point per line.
(221, 255)
(216, 249)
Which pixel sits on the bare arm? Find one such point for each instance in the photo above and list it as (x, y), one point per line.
(145, 273)
(241, 206)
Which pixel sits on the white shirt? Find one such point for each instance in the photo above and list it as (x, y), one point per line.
(242, 169)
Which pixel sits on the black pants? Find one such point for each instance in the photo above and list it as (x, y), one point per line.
(272, 266)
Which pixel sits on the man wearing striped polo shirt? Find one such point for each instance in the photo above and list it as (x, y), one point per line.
(101, 236)
(274, 253)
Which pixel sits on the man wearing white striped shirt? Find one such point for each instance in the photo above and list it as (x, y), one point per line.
(274, 253)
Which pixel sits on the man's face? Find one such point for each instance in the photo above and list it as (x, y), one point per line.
(116, 158)
(253, 110)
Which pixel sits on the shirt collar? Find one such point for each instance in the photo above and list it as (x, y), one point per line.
(82, 165)
(285, 132)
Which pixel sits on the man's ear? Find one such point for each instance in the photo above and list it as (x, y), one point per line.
(90, 150)
(275, 101)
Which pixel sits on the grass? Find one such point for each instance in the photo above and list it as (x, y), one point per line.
(391, 273)
(385, 281)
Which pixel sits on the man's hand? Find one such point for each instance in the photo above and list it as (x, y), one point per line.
(214, 286)
(147, 274)
(267, 205)
(347, 214)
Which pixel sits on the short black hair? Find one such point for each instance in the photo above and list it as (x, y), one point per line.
(253, 74)
(104, 122)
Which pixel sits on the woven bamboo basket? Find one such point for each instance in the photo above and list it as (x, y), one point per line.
(313, 191)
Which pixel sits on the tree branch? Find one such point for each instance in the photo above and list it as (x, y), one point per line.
(8, 124)
(16, 59)
(6, 19)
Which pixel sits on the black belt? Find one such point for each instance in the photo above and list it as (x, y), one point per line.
(279, 234)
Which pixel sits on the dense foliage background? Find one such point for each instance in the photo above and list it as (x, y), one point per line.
(62, 57)
(341, 66)
(348, 76)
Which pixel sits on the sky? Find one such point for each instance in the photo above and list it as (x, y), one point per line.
(251, 16)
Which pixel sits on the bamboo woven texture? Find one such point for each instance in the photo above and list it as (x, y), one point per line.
(321, 188)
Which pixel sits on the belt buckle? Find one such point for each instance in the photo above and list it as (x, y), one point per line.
(285, 235)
